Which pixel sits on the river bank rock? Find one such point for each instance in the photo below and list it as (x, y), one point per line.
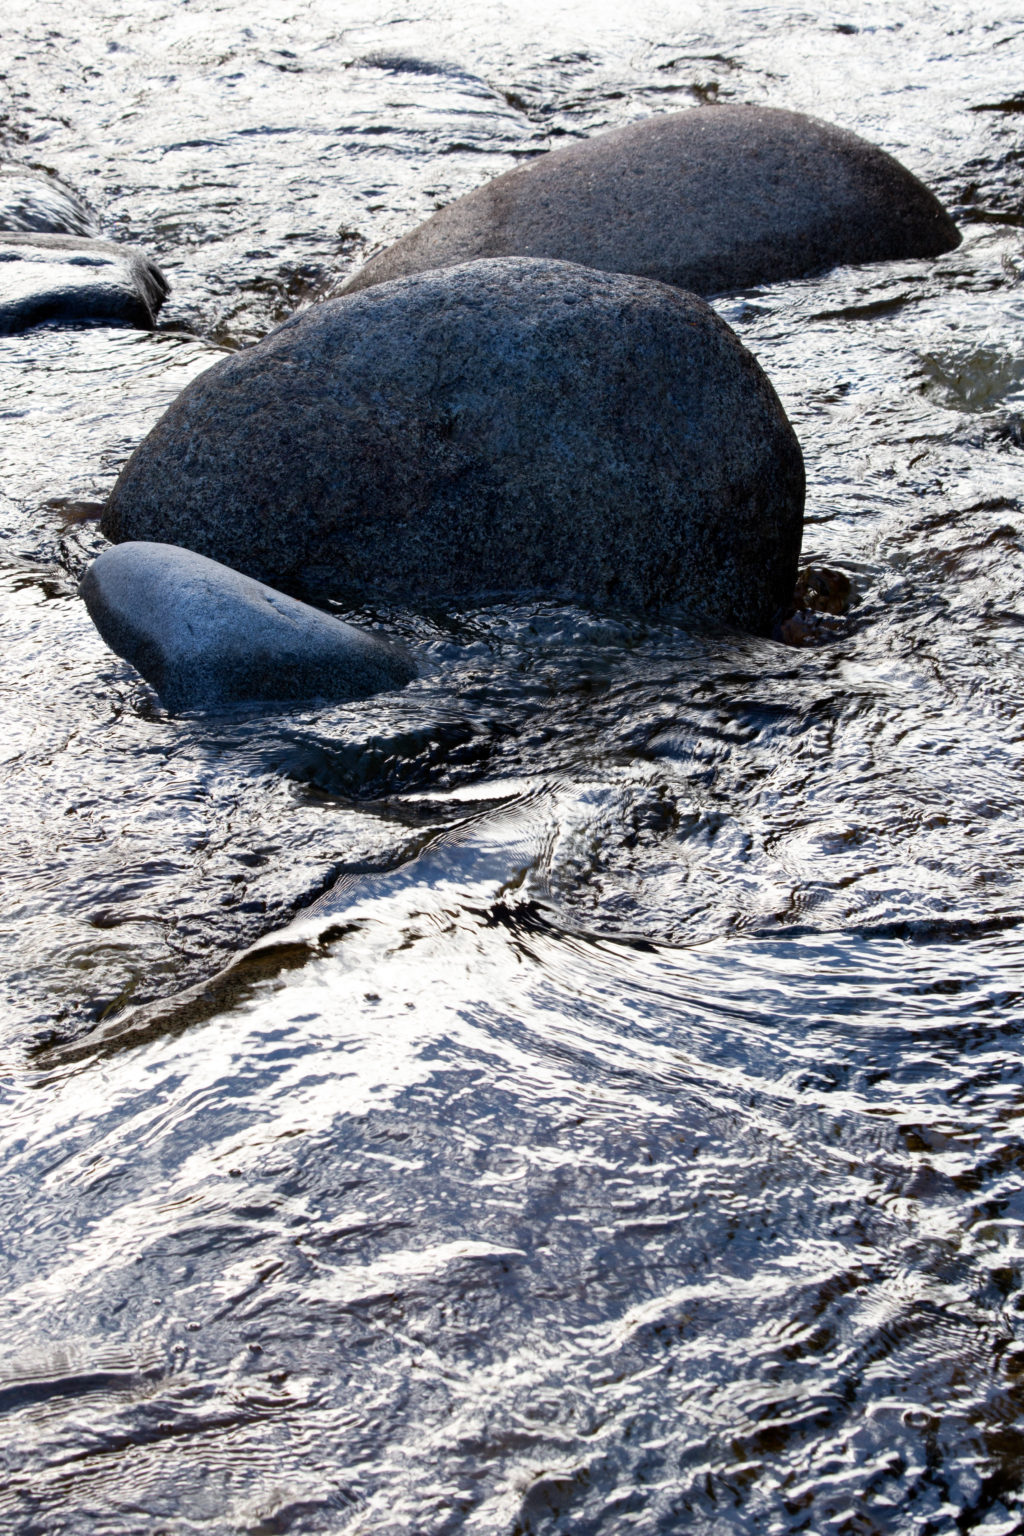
(207, 637)
(70, 278)
(31, 202)
(505, 426)
(713, 199)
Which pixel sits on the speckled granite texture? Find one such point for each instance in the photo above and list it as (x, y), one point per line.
(713, 199)
(504, 426)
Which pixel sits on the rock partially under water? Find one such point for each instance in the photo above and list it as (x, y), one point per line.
(207, 637)
(504, 426)
(31, 202)
(713, 199)
(68, 278)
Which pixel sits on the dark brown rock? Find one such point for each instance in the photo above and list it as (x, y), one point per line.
(505, 426)
(816, 614)
(713, 199)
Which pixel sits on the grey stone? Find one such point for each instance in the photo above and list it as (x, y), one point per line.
(33, 202)
(207, 637)
(713, 199)
(505, 426)
(69, 278)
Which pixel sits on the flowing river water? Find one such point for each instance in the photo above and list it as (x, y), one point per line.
(617, 1125)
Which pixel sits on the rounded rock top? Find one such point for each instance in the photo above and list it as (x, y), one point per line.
(510, 426)
(713, 199)
(71, 278)
(31, 202)
(207, 637)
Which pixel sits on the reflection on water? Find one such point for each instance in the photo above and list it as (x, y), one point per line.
(580, 1092)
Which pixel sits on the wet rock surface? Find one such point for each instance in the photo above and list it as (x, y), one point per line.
(31, 202)
(817, 613)
(507, 426)
(639, 1149)
(69, 278)
(712, 199)
(206, 637)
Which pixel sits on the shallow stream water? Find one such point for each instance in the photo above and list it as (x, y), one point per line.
(616, 1125)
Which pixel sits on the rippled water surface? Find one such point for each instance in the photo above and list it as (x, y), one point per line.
(582, 1091)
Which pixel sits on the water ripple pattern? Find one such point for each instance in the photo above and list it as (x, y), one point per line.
(579, 1093)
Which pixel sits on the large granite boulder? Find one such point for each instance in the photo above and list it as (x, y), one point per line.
(31, 202)
(713, 199)
(71, 278)
(504, 426)
(207, 637)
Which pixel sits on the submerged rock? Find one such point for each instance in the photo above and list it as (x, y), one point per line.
(816, 614)
(206, 636)
(69, 278)
(33, 202)
(505, 426)
(713, 199)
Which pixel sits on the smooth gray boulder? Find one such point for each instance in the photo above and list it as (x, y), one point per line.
(504, 426)
(70, 278)
(207, 637)
(33, 202)
(713, 199)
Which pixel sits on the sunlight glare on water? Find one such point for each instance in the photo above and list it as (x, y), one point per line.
(582, 1091)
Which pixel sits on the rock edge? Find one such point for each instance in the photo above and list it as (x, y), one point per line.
(713, 199)
(207, 637)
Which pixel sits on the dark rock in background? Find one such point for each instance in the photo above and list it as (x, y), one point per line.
(31, 202)
(505, 426)
(207, 637)
(68, 278)
(713, 199)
